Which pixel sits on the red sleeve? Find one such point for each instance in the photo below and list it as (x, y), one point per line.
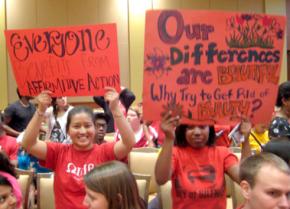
(14, 150)
(174, 159)
(107, 152)
(52, 152)
(230, 159)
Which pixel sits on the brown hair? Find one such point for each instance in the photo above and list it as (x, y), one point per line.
(250, 167)
(116, 183)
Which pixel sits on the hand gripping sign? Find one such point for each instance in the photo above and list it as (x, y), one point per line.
(211, 67)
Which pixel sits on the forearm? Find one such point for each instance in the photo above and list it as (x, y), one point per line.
(32, 130)
(246, 148)
(163, 163)
(10, 131)
(126, 132)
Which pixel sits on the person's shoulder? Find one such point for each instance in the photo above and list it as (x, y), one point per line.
(12, 106)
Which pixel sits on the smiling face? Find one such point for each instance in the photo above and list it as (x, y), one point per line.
(82, 131)
(7, 199)
(95, 200)
(271, 190)
(197, 136)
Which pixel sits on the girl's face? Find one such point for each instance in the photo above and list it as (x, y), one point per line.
(61, 101)
(7, 199)
(95, 200)
(82, 131)
(133, 118)
(197, 136)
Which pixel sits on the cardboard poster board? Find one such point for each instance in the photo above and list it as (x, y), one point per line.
(69, 61)
(211, 67)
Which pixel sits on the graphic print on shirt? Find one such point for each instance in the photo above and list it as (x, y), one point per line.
(78, 172)
(202, 183)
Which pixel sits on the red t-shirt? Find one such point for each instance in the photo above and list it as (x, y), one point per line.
(10, 146)
(70, 165)
(198, 177)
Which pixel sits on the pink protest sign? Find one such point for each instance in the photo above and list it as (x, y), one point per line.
(211, 67)
(69, 61)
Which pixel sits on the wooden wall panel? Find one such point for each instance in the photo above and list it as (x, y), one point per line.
(137, 10)
(229, 5)
(83, 12)
(116, 11)
(256, 6)
(278, 7)
(51, 13)
(197, 4)
(3, 59)
(19, 15)
(166, 4)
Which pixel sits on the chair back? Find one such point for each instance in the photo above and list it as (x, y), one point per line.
(25, 178)
(142, 161)
(45, 193)
(165, 195)
(143, 183)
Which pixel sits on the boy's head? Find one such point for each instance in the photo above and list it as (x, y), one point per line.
(265, 182)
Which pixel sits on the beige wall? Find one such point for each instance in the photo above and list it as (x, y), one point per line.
(130, 18)
(3, 59)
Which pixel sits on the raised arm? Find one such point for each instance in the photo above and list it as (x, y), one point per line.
(245, 129)
(124, 146)
(163, 163)
(30, 141)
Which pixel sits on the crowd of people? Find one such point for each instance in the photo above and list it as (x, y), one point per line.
(90, 172)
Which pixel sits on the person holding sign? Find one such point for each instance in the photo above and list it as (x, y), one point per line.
(280, 125)
(195, 165)
(71, 162)
(57, 118)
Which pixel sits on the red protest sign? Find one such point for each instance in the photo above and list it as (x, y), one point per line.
(211, 67)
(69, 61)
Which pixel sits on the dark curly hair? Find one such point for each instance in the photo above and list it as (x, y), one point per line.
(180, 139)
(283, 92)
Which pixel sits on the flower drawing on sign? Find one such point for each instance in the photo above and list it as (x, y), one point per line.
(176, 109)
(253, 30)
(157, 63)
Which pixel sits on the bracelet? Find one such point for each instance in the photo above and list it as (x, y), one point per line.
(39, 113)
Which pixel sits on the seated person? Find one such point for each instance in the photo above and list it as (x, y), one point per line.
(10, 191)
(17, 115)
(126, 98)
(280, 123)
(280, 147)
(101, 123)
(265, 182)
(258, 137)
(111, 185)
(56, 118)
(144, 135)
(8, 144)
